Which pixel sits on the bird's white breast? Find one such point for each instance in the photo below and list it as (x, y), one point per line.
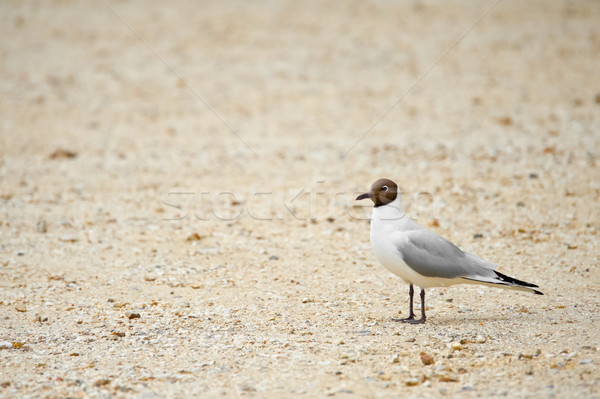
(386, 235)
(390, 228)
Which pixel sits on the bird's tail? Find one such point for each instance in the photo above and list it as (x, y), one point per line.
(504, 281)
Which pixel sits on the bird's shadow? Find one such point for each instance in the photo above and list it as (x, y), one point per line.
(462, 320)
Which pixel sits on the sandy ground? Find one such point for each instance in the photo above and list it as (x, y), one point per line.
(177, 184)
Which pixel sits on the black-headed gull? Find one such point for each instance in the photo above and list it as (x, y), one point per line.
(422, 257)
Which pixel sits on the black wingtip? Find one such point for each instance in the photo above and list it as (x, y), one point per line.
(538, 292)
(513, 280)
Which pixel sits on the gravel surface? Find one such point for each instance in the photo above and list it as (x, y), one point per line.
(177, 184)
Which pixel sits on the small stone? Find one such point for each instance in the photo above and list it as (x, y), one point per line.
(477, 235)
(41, 226)
(68, 238)
(62, 153)
(533, 176)
(480, 339)
(102, 382)
(447, 378)
(20, 307)
(427, 359)
(132, 315)
(17, 345)
(273, 257)
(247, 388)
(456, 346)
(411, 382)
(505, 120)
(194, 237)
(306, 300)
(5, 345)
(396, 358)
(586, 361)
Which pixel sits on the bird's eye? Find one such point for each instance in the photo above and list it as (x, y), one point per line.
(384, 188)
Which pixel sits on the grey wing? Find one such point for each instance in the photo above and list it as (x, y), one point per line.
(431, 255)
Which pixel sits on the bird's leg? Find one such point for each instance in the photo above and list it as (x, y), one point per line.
(411, 315)
(423, 317)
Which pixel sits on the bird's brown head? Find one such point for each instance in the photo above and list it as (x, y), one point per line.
(382, 192)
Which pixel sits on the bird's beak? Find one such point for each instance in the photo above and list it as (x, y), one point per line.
(364, 196)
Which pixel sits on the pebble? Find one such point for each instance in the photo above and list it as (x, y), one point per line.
(68, 238)
(273, 257)
(41, 226)
(480, 339)
(5, 345)
(396, 358)
(102, 382)
(456, 346)
(132, 315)
(411, 382)
(306, 300)
(20, 307)
(586, 361)
(427, 359)
(194, 237)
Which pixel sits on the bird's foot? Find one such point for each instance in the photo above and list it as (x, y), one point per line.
(411, 320)
(414, 321)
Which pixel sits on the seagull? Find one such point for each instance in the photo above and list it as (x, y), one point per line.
(421, 257)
